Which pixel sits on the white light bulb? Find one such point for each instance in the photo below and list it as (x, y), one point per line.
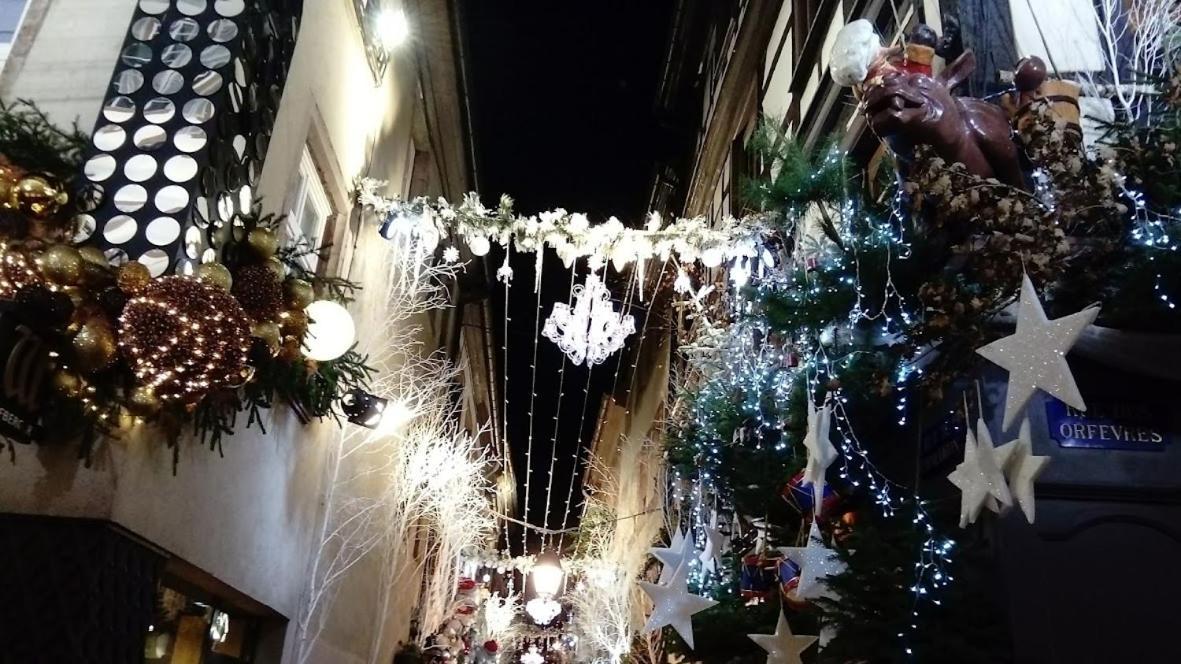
(392, 28)
(331, 331)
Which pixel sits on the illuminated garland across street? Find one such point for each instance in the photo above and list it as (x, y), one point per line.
(570, 234)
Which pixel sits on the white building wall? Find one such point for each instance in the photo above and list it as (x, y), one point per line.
(69, 63)
(250, 518)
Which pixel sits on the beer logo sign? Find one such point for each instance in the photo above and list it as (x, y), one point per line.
(26, 369)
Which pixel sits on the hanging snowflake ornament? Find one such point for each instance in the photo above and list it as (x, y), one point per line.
(451, 255)
(591, 330)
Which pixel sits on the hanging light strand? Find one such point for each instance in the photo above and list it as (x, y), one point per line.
(553, 459)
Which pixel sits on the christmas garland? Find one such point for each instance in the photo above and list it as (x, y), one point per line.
(182, 352)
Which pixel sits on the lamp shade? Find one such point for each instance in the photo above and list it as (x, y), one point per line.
(331, 331)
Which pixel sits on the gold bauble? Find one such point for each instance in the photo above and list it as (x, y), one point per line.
(94, 255)
(216, 274)
(67, 382)
(263, 242)
(94, 345)
(275, 265)
(143, 402)
(36, 197)
(133, 277)
(61, 264)
(269, 333)
(294, 322)
(299, 293)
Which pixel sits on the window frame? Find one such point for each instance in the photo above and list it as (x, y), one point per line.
(308, 187)
(6, 47)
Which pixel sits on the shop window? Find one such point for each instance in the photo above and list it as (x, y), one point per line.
(308, 211)
(193, 627)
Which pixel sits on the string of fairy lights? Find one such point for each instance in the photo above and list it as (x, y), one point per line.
(553, 460)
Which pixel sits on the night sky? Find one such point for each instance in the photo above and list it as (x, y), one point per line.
(562, 98)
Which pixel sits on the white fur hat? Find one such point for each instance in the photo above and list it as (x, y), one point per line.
(856, 46)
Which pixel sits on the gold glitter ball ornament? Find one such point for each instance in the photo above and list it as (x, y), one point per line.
(67, 382)
(299, 293)
(275, 265)
(183, 337)
(264, 242)
(94, 345)
(216, 274)
(133, 277)
(268, 332)
(61, 264)
(143, 402)
(94, 255)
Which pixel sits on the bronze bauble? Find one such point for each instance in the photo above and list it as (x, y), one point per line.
(143, 402)
(294, 322)
(259, 292)
(36, 197)
(61, 264)
(291, 351)
(94, 345)
(264, 242)
(216, 274)
(299, 293)
(67, 382)
(269, 333)
(133, 277)
(184, 336)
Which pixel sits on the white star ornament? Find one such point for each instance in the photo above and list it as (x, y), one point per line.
(1035, 355)
(783, 647)
(674, 605)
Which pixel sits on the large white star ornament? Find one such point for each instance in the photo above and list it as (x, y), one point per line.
(979, 476)
(711, 556)
(675, 605)
(1022, 468)
(678, 552)
(783, 647)
(821, 452)
(1035, 355)
(817, 562)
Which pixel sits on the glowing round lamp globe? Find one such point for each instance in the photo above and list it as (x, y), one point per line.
(547, 576)
(331, 331)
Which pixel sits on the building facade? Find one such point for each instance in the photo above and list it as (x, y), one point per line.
(225, 545)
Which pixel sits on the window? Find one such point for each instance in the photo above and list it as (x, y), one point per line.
(308, 210)
(12, 13)
(1064, 33)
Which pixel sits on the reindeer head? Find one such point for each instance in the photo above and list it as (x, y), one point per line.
(916, 107)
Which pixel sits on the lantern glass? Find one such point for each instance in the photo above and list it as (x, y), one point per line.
(547, 577)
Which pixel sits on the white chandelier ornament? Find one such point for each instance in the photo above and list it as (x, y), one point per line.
(543, 610)
(591, 330)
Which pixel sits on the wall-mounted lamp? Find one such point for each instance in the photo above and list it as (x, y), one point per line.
(363, 408)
